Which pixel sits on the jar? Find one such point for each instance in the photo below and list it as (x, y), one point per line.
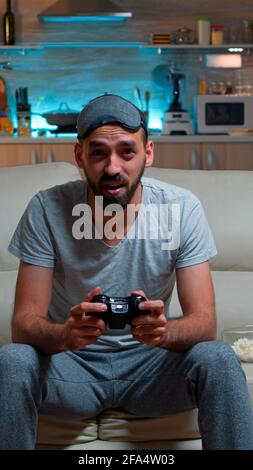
(203, 30)
(217, 32)
(246, 32)
(6, 126)
(217, 88)
(184, 36)
(202, 87)
(229, 88)
(24, 123)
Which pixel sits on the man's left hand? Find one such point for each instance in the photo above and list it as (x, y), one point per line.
(149, 329)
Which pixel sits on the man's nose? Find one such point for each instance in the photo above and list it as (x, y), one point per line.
(112, 165)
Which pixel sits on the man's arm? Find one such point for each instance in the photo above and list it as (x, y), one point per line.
(196, 297)
(198, 323)
(30, 324)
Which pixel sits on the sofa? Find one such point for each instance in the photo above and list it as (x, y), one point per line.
(227, 197)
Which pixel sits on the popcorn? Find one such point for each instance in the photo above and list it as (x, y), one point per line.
(243, 348)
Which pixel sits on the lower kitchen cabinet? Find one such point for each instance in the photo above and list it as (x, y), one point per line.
(207, 156)
(26, 154)
(193, 156)
(182, 156)
(232, 156)
(19, 154)
(57, 153)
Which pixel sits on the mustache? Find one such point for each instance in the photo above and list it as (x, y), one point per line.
(118, 178)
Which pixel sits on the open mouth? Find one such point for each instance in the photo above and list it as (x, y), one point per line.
(113, 188)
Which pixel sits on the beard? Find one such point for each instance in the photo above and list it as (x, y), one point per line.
(123, 200)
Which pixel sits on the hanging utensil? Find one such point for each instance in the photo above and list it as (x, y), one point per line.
(147, 100)
(137, 94)
(147, 96)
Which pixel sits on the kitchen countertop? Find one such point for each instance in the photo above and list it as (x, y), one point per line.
(71, 138)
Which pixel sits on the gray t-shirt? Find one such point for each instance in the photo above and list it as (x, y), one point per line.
(145, 259)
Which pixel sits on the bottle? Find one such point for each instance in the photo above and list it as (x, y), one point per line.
(217, 34)
(8, 25)
(203, 30)
(24, 121)
(8, 125)
(221, 88)
(202, 87)
(229, 88)
(246, 32)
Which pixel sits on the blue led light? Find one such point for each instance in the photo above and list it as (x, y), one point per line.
(155, 119)
(80, 19)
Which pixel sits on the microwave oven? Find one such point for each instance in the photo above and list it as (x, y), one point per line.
(221, 114)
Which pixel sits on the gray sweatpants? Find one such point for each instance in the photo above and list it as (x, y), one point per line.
(145, 381)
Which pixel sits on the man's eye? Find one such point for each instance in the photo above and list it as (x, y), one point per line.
(97, 153)
(127, 152)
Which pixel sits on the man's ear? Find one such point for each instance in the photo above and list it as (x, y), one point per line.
(78, 154)
(149, 153)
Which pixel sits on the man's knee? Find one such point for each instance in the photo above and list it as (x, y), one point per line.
(215, 354)
(19, 358)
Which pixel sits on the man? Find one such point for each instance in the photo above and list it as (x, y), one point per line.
(68, 363)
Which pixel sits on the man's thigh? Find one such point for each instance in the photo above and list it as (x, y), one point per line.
(76, 385)
(152, 381)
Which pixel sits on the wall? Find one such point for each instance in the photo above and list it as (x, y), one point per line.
(75, 75)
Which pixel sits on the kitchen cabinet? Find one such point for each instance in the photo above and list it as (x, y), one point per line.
(63, 152)
(188, 155)
(182, 156)
(204, 156)
(232, 156)
(24, 154)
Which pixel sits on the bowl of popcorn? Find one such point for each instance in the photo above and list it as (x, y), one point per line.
(241, 341)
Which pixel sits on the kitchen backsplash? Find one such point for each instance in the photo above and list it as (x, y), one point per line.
(75, 75)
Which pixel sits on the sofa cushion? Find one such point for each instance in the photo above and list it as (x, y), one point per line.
(227, 199)
(234, 299)
(55, 431)
(117, 425)
(27, 180)
(187, 444)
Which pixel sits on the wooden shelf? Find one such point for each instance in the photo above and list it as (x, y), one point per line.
(21, 46)
(197, 46)
(142, 45)
(27, 46)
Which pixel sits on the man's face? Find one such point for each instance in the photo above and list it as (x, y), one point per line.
(113, 160)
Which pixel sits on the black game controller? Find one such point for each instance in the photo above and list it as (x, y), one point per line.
(120, 310)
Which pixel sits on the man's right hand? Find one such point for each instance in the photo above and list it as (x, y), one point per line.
(80, 329)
